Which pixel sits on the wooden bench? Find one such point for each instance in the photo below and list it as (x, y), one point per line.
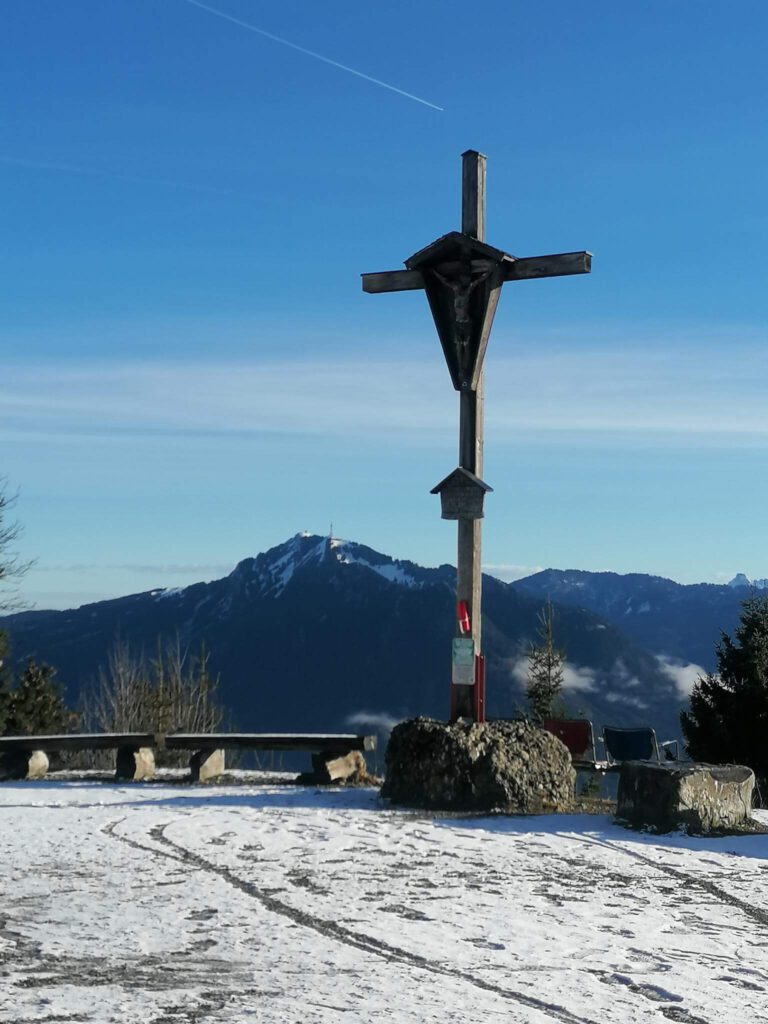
(26, 757)
(335, 756)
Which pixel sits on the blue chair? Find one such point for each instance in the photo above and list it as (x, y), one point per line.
(630, 744)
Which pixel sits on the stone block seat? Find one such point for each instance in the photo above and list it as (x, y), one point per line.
(699, 798)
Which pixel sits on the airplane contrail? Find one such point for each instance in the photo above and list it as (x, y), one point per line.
(311, 53)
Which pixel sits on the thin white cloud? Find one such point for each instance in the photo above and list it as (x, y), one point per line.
(293, 397)
(584, 393)
(628, 701)
(621, 676)
(95, 172)
(159, 568)
(511, 572)
(381, 721)
(61, 600)
(683, 674)
(576, 678)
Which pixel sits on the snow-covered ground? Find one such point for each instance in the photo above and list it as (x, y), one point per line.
(164, 903)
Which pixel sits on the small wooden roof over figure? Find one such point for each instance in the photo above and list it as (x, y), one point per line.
(461, 495)
(462, 278)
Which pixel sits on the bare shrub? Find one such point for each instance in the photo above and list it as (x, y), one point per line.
(170, 692)
(12, 566)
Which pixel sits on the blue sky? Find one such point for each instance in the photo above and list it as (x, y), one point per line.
(190, 372)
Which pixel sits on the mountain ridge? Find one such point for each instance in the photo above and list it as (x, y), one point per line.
(317, 630)
(677, 620)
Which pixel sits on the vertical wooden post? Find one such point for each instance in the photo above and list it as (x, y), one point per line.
(451, 279)
(473, 194)
(469, 575)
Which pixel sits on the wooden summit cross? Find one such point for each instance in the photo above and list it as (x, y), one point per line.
(462, 277)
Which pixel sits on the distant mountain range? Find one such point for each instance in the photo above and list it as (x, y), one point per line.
(681, 622)
(320, 633)
(740, 580)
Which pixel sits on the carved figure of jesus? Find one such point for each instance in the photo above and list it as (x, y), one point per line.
(462, 287)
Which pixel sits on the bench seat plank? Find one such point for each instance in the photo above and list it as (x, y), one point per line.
(341, 742)
(77, 741)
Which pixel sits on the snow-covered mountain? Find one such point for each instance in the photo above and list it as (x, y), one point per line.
(272, 571)
(320, 633)
(679, 621)
(740, 580)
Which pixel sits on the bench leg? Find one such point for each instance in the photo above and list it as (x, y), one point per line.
(135, 764)
(331, 767)
(27, 764)
(205, 765)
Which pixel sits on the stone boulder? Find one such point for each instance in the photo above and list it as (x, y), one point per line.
(135, 763)
(26, 764)
(503, 765)
(699, 798)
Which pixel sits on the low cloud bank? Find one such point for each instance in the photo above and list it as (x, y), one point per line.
(683, 674)
(616, 685)
(544, 386)
(575, 677)
(378, 721)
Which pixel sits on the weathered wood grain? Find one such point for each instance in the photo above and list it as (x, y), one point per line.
(269, 741)
(392, 281)
(559, 265)
(78, 741)
(473, 194)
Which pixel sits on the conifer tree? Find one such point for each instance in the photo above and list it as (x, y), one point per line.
(727, 720)
(36, 705)
(545, 668)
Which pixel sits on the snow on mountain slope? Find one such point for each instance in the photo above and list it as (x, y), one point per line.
(347, 553)
(318, 629)
(740, 580)
(674, 620)
(271, 572)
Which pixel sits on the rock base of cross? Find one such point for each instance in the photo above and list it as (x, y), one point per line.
(696, 798)
(506, 766)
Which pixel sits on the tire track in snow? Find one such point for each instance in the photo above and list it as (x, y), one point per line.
(335, 931)
(756, 913)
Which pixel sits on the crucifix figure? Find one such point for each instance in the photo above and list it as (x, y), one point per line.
(462, 286)
(462, 277)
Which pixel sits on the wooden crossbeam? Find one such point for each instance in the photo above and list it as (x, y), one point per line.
(526, 269)
(392, 281)
(560, 265)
